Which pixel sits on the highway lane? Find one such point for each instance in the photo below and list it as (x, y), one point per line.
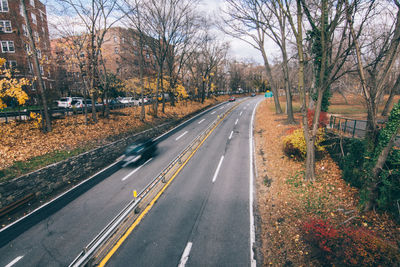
(203, 219)
(57, 239)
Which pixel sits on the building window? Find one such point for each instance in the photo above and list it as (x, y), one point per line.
(43, 30)
(32, 3)
(24, 30)
(21, 10)
(4, 6)
(10, 64)
(5, 26)
(36, 36)
(7, 47)
(115, 39)
(34, 21)
(39, 53)
(123, 40)
(116, 50)
(147, 55)
(41, 70)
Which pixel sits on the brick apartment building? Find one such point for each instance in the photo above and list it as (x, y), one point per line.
(14, 42)
(120, 55)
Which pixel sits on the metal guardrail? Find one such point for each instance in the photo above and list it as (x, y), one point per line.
(103, 242)
(6, 116)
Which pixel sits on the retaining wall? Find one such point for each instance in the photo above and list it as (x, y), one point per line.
(49, 179)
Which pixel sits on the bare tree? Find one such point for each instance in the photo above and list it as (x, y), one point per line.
(244, 18)
(373, 87)
(96, 16)
(273, 16)
(166, 21)
(134, 13)
(36, 67)
(375, 73)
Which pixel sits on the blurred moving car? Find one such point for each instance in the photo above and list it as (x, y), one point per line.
(138, 151)
(232, 99)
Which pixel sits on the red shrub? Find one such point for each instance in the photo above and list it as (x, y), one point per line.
(349, 246)
(323, 118)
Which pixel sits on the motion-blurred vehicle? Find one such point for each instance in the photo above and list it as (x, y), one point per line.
(139, 151)
(232, 99)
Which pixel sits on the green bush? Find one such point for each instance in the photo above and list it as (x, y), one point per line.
(352, 164)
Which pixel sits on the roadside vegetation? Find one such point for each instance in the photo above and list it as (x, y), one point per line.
(321, 222)
(24, 147)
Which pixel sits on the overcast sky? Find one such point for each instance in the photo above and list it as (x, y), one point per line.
(239, 50)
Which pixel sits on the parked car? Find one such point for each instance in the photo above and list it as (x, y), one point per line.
(80, 103)
(66, 102)
(232, 99)
(139, 151)
(145, 100)
(114, 102)
(253, 94)
(127, 100)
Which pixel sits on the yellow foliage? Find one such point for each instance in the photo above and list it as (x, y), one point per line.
(295, 144)
(181, 90)
(212, 89)
(11, 87)
(37, 119)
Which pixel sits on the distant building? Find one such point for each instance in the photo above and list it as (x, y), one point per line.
(119, 55)
(14, 41)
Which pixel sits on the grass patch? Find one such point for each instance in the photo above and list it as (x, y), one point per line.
(23, 167)
(346, 109)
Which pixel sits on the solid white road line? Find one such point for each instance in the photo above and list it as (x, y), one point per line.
(135, 170)
(222, 107)
(253, 262)
(217, 171)
(230, 136)
(201, 121)
(213, 112)
(236, 121)
(14, 261)
(240, 113)
(185, 255)
(179, 137)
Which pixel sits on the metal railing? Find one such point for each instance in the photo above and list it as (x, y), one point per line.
(103, 242)
(355, 128)
(7, 116)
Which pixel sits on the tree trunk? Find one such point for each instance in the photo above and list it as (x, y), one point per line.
(310, 158)
(385, 145)
(278, 109)
(36, 67)
(289, 107)
(393, 91)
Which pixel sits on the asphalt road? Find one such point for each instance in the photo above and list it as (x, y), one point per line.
(58, 238)
(203, 219)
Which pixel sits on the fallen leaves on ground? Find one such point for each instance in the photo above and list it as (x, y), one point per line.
(21, 141)
(285, 200)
